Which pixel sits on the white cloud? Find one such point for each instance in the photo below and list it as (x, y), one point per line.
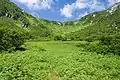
(81, 3)
(92, 5)
(37, 4)
(96, 5)
(68, 9)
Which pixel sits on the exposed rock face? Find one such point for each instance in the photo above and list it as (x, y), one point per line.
(24, 24)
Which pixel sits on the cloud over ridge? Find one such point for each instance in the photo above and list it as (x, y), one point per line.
(90, 5)
(63, 10)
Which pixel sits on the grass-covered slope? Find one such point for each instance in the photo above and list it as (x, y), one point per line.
(12, 16)
(102, 23)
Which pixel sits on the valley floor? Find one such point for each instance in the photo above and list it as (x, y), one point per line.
(58, 61)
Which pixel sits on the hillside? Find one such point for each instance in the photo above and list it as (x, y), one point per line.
(12, 16)
(102, 23)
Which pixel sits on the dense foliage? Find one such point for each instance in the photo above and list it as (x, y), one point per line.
(60, 61)
(11, 39)
(60, 38)
(113, 44)
(105, 45)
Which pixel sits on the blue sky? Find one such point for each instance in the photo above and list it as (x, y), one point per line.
(63, 10)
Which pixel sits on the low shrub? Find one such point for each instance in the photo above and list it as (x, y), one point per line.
(11, 39)
(60, 38)
(113, 44)
(91, 47)
(106, 45)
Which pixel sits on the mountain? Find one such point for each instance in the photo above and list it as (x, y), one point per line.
(98, 24)
(12, 16)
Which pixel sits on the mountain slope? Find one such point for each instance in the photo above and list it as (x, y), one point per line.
(12, 16)
(102, 23)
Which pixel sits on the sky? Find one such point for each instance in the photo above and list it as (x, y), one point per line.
(63, 10)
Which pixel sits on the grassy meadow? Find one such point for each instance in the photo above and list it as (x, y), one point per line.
(58, 60)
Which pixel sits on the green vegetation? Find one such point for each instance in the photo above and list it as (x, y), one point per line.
(11, 39)
(12, 16)
(58, 61)
(112, 43)
(38, 49)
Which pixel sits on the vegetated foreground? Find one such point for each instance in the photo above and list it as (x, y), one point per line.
(58, 61)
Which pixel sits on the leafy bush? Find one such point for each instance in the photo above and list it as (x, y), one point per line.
(107, 44)
(105, 40)
(113, 44)
(91, 46)
(59, 37)
(11, 39)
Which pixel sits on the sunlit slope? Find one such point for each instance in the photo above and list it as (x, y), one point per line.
(12, 16)
(100, 24)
